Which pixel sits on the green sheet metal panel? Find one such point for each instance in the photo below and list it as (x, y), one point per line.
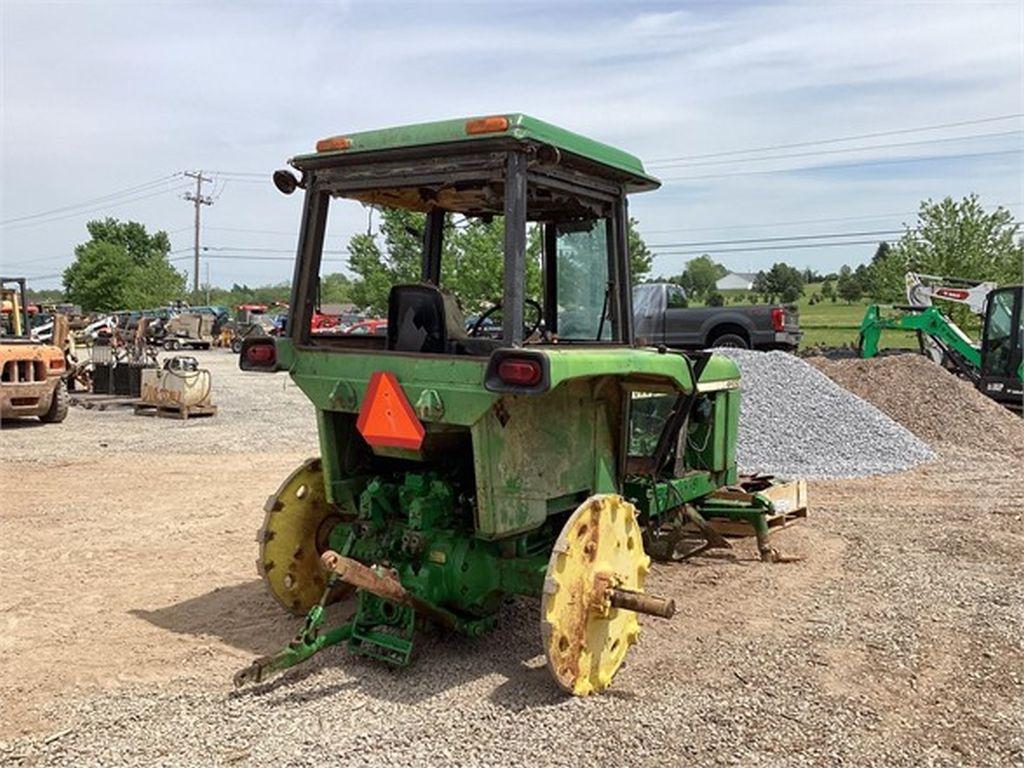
(530, 450)
(520, 126)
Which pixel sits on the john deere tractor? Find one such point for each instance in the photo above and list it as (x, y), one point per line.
(457, 469)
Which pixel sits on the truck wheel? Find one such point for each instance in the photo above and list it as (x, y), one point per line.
(236, 346)
(730, 340)
(58, 410)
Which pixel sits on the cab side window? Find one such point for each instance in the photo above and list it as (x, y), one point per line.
(676, 298)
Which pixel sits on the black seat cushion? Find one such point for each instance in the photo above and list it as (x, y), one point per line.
(423, 318)
(416, 319)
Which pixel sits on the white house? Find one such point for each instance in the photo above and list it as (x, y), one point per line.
(736, 281)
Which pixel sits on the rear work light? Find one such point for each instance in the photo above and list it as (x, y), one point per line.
(779, 319)
(333, 144)
(520, 372)
(492, 124)
(258, 355)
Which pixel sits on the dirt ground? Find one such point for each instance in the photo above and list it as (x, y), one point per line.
(899, 628)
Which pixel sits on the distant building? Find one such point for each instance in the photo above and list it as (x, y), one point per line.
(736, 281)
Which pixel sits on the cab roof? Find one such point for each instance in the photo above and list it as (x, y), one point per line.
(516, 125)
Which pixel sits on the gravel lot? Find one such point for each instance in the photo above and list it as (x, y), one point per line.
(895, 638)
(256, 411)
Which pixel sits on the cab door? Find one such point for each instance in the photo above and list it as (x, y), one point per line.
(1001, 344)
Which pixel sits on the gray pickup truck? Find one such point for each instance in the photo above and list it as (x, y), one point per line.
(661, 316)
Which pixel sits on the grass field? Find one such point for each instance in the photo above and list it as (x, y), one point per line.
(835, 324)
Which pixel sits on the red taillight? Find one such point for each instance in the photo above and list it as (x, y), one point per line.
(56, 363)
(779, 319)
(261, 354)
(520, 372)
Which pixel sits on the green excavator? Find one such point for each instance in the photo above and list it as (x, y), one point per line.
(995, 364)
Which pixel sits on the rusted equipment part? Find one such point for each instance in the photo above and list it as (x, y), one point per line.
(592, 593)
(661, 607)
(385, 585)
(296, 524)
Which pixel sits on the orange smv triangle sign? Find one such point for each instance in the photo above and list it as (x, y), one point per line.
(386, 418)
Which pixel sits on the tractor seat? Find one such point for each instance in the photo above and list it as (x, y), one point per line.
(423, 318)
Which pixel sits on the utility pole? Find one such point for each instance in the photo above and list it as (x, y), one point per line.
(199, 200)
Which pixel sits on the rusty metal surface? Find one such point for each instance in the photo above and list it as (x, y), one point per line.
(383, 584)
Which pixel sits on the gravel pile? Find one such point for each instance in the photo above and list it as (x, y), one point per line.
(796, 421)
(931, 402)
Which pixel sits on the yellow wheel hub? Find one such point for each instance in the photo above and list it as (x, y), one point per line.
(598, 559)
(295, 530)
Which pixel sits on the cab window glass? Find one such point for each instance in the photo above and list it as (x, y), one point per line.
(582, 263)
(676, 298)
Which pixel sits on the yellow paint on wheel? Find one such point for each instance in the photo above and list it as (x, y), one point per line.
(294, 534)
(585, 638)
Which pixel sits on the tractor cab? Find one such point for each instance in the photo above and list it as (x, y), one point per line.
(458, 465)
(1002, 359)
(561, 199)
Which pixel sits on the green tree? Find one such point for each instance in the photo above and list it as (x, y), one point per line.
(847, 286)
(959, 239)
(700, 275)
(472, 260)
(121, 266)
(828, 290)
(781, 282)
(335, 288)
(640, 256)
(715, 299)
(96, 279)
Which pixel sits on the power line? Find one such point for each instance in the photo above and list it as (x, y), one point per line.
(258, 249)
(248, 257)
(290, 233)
(844, 150)
(840, 166)
(88, 211)
(838, 140)
(770, 224)
(766, 248)
(86, 203)
(261, 174)
(767, 225)
(823, 236)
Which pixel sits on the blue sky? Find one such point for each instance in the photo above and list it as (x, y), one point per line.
(99, 97)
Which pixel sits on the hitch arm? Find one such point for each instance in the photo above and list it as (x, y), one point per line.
(306, 643)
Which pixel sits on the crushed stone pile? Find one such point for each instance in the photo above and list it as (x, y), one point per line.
(795, 421)
(931, 402)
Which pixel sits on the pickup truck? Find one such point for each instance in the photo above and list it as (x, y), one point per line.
(661, 316)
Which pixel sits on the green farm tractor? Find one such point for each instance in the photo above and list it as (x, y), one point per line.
(459, 469)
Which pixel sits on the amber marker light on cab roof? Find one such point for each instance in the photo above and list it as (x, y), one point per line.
(333, 144)
(492, 124)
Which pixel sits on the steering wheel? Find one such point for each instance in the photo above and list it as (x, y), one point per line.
(479, 324)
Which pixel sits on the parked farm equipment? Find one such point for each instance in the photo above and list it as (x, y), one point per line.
(457, 469)
(995, 364)
(31, 371)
